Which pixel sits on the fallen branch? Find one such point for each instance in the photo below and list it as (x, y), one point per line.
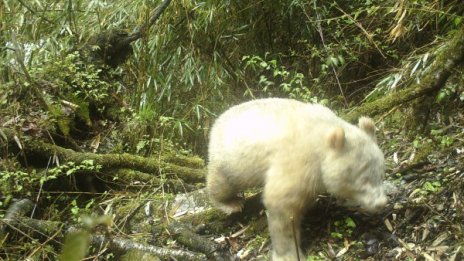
(120, 244)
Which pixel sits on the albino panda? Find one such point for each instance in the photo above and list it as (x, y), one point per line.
(295, 151)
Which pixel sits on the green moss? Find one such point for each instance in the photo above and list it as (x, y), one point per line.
(186, 161)
(83, 111)
(63, 122)
(423, 152)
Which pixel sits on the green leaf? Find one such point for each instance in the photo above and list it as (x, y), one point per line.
(336, 235)
(349, 222)
(432, 186)
(441, 96)
(263, 64)
(75, 210)
(75, 246)
(334, 60)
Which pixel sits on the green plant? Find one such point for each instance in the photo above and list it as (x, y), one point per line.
(76, 244)
(450, 90)
(431, 187)
(444, 140)
(343, 228)
(19, 182)
(420, 142)
(78, 212)
(79, 81)
(71, 167)
(276, 80)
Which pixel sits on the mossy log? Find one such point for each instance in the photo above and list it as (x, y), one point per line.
(124, 245)
(189, 169)
(446, 61)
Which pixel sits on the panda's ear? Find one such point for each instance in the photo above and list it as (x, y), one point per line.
(367, 125)
(336, 138)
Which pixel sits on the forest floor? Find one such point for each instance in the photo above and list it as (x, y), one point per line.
(423, 220)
